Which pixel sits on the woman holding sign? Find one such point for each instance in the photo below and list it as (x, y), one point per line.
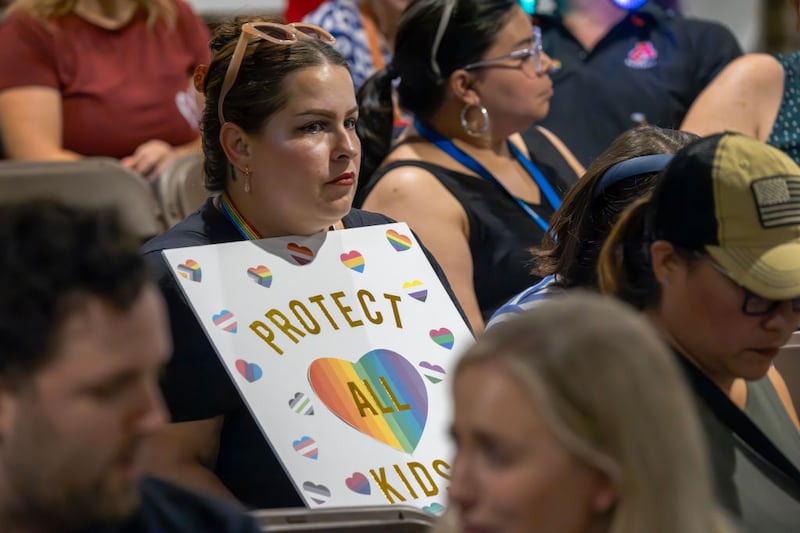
(282, 153)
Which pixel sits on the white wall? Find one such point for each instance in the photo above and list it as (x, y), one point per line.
(743, 17)
(230, 7)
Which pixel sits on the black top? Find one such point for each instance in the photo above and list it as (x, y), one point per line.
(168, 508)
(652, 63)
(501, 233)
(196, 385)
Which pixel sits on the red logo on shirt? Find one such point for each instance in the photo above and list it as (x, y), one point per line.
(643, 55)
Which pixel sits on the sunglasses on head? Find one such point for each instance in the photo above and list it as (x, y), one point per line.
(272, 32)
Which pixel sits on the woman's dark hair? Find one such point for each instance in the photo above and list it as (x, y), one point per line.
(578, 228)
(258, 91)
(472, 29)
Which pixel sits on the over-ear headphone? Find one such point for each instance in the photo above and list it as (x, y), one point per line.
(529, 6)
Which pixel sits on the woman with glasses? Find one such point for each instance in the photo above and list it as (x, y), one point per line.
(473, 75)
(109, 78)
(713, 259)
(282, 154)
(574, 418)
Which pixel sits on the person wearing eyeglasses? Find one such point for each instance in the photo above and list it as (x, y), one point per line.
(758, 95)
(622, 63)
(473, 75)
(567, 257)
(573, 417)
(713, 260)
(281, 157)
(110, 78)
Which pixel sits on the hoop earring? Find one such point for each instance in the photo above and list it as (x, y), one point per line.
(247, 179)
(484, 127)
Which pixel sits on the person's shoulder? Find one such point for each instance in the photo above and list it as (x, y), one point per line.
(358, 218)
(167, 507)
(21, 19)
(547, 288)
(188, 232)
(757, 69)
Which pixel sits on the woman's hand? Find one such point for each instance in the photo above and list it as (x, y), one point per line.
(150, 158)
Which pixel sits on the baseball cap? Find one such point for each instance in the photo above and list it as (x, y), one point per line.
(739, 200)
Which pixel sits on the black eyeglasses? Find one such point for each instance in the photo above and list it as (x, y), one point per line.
(753, 304)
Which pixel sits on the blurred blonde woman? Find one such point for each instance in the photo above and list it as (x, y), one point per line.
(109, 78)
(573, 417)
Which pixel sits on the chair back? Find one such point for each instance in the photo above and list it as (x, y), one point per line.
(91, 183)
(181, 187)
(365, 519)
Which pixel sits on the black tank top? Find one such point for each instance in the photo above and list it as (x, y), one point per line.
(500, 232)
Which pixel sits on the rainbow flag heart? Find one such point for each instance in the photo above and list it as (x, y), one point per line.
(443, 337)
(381, 395)
(433, 373)
(399, 242)
(191, 270)
(359, 483)
(249, 371)
(301, 404)
(225, 320)
(307, 447)
(416, 289)
(318, 493)
(261, 275)
(301, 254)
(353, 260)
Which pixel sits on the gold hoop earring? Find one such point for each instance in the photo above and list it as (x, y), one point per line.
(465, 125)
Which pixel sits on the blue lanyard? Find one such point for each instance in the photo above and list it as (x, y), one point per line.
(468, 161)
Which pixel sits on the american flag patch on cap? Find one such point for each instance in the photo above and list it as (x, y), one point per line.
(778, 200)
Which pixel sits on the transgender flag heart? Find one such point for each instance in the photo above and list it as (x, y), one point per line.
(381, 395)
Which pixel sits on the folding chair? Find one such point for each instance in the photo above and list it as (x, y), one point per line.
(90, 183)
(181, 188)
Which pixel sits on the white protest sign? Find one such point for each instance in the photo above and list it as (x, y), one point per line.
(342, 345)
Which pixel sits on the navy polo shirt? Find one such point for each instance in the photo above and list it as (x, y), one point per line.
(648, 68)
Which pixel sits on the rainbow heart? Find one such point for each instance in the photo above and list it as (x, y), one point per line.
(307, 447)
(318, 493)
(249, 371)
(443, 337)
(399, 242)
(434, 373)
(261, 275)
(301, 404)
(301, 254)
(415, 290)
(434, 508)
(353, 260)
(225, 320)
(359, 483)
(191, 270)
(381, 395)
